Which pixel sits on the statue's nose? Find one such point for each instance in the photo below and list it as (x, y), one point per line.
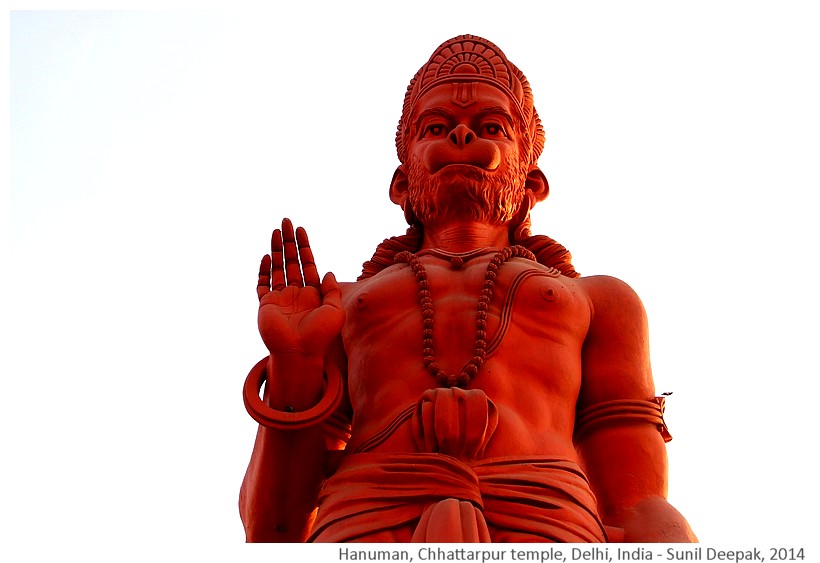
(461, 135)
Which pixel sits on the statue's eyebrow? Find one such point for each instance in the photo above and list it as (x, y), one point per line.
(446, 114)
(434, 111)
(496, 110)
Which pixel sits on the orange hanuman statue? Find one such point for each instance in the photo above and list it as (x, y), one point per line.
(470, 386)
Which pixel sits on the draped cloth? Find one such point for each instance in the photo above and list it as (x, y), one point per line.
(446, 492)
(522, 499)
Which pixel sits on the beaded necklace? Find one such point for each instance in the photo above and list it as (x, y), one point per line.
(471, 368)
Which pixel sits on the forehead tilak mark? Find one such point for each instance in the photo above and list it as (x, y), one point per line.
(464, 93)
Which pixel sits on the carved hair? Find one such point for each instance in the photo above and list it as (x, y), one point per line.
(546, 250)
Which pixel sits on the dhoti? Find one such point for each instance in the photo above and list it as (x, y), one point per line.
(445, 492)
(526, 499)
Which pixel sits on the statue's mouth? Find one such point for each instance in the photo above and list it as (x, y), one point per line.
(461, 168)
(479, 155)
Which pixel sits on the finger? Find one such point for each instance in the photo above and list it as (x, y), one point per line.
(292, 269)
(278, 271)
(331, 294)
(306, 258)
(263, 285)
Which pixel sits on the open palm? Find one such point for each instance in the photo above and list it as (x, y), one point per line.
(297, 312)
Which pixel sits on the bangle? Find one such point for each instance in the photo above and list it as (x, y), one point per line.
(621, 411)
(272, 418)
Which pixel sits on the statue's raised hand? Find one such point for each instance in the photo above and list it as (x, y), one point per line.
(297, 313)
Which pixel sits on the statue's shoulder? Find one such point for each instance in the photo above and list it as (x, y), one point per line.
(603, 283)
(383, 279)
(609, 295)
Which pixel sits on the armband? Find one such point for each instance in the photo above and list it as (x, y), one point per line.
(282, 420)
(609, 413)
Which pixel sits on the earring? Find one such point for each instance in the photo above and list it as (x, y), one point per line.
(521, 223)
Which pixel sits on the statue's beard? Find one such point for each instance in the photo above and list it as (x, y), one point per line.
(466, 193)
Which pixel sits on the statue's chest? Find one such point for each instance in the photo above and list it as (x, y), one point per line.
(520, 293)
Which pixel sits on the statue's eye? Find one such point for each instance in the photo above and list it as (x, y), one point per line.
(436, 129)
(493, 129)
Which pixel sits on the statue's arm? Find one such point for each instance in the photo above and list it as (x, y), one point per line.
(623, 453)
(279, 493)
(300, 321)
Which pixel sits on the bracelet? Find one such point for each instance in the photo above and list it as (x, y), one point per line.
(622, 410)
(281, 420)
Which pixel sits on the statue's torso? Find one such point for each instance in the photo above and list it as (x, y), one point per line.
(536, 325)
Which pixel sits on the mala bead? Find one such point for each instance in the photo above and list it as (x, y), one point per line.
(472, 367)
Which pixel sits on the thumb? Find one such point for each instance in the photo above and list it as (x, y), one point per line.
(331, 294)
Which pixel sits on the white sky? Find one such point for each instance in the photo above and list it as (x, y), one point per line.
(152, 153)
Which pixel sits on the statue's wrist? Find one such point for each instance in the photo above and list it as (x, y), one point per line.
(286, 412)
(294, 358)
(295, 381)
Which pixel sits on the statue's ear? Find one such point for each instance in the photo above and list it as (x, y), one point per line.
(398, 187)
(537, 184)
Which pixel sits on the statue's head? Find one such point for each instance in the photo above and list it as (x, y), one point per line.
(469, 139)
